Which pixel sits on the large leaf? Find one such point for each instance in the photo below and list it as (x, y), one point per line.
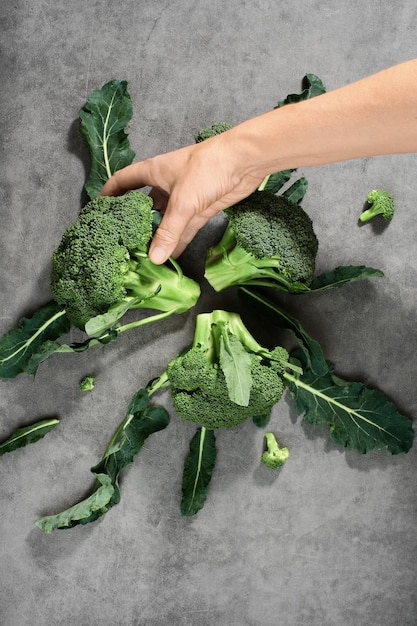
(235, 364)
(313, 87)
(296, 192)
(140, 421)
(19, 345)
(343, 275)
(278, 317)
(198, 469)
(104, 119)
(358, 417)
(28, 434)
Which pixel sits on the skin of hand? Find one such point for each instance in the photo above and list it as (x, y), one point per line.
(373, 116)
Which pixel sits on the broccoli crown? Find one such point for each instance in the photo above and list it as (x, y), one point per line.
(382, 203)
(91, 263)
(274, 456)
(200, 388)
(267, 237)
(211, 131)
(87, 383)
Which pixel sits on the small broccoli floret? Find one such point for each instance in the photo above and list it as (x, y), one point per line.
(211, 131)
(382, 203)
(274, 456)
(101, 268)
(206, 389)
(87, 383)
(268, 241)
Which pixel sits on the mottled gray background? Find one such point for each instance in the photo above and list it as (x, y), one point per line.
(331, 540)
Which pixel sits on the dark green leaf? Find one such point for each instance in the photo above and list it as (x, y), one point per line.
(235, 364)
(79, 513)
(313, 87)
(297, 191)
(29, 434)
(359, 418)
(274, 182)
(19, 345)
(140, 421)
(104, 119)
(343, 275)
(198, 469)
(277, 316)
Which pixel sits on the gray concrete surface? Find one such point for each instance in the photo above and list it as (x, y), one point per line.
(332, 539)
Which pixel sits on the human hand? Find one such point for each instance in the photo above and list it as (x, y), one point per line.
(189, 186)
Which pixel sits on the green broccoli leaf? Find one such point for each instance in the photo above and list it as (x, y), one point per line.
(104, 118)
(310, 347)
(140, 421)
(313, 87)
(297, 191)
(19, 345)
(198, 469)
(235, 364)
(274, 182)
(342, 275)
(28, 434)
(359, 418)
(79, 513)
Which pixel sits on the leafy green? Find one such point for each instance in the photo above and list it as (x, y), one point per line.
(313, 87)
(198, 469)
(274, 182)
(28, 434)
(19, 345)
(104, 118)
(236, 364)
(297, 191)
(342, 275)
(359, 418)
(140, 421)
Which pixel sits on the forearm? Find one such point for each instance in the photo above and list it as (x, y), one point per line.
(374, 116)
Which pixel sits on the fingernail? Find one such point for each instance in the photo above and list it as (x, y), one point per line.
(157, 255)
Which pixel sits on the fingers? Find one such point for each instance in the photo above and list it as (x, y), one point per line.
(169, 236)
(133, 176)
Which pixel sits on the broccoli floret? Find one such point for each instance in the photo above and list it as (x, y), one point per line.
(382, 203)
(211, 131)
(101, 268)
(87, 383)
(202, 388)
(274, 456)
(268, 241)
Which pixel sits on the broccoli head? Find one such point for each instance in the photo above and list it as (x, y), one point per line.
(274, 456)
(268, 241)
(101, 268)
(211, 131)
(225, 376)
(382, 203)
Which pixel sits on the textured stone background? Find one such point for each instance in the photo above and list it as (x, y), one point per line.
(330, 540)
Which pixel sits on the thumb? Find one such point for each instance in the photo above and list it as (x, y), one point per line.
(168, 237)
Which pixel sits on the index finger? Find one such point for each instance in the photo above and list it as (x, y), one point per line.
(133, 176)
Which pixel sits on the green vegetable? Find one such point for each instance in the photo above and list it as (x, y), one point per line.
(211, 131)
(28, 434)
(87, 383)
(225, 376)
(198, 469)
(101, 269)
(381, 203)
(274, 456)
(104, 118)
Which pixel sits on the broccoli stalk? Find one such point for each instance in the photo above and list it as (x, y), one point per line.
(274, 456)
(268, 241)
(382, 203)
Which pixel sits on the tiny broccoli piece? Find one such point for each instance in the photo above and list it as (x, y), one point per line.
(382, 203)
(101, 268)
(87, 383)
(211, 131)
(274, 456)
(201, 388)
(268, 241)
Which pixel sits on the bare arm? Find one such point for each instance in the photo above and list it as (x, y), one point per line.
(374, 116)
